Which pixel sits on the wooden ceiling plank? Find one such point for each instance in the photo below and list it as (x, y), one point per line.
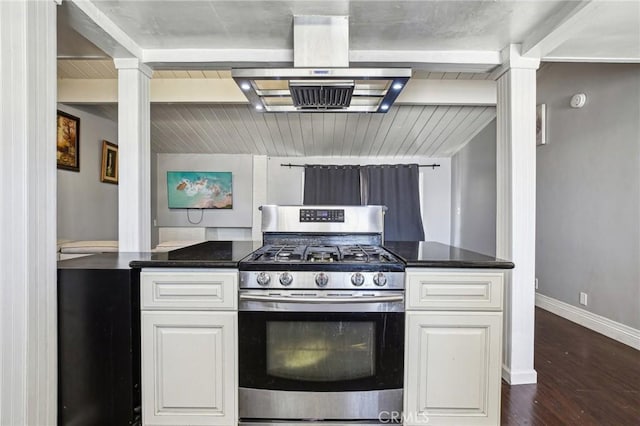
(317, 130)
(453, 139)
(221, 122)
(483, 119)
(427, 135)
(191, 130)
(296, 133)
(306, 129)
(419, 128)
(349, 134)
(372, 129)
(275, 134)
(383, 131)
(193, 111)
(361, 131)
(285, 132)
(263, 129)
(454, 121)
(234, 123)
(402, 127)
(251, 129)
(161, 116)
(328, 124)
(339, 128)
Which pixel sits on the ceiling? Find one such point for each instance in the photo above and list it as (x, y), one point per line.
(453, 40)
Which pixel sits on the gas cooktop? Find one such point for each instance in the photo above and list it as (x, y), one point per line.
(325, 257)
(322, 253)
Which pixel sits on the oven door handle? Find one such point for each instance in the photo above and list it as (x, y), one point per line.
(295, 299)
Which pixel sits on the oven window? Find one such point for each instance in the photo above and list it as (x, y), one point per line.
(320, 351)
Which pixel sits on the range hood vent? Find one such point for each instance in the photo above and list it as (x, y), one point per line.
(321, 79)
(327, 95)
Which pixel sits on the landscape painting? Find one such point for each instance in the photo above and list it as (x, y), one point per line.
(199, 190)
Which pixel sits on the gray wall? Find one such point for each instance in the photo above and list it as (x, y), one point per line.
(473, 193)
(588, 189)
(88, 208)
(241, 167)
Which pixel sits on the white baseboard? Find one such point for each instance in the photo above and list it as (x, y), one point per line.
(612, 329)
(519, 377)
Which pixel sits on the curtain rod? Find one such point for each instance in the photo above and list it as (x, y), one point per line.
(433, 166)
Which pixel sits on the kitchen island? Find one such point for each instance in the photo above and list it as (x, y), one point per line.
(453, 331)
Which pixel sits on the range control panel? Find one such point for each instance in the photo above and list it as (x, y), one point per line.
(321, 215)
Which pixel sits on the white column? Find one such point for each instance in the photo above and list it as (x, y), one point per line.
(516, 209)
(134, 156)
(28, 347)
(260, 169)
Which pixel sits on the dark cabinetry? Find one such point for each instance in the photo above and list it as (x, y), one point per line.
(98, 346)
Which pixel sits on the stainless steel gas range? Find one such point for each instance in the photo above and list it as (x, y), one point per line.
(321, 321)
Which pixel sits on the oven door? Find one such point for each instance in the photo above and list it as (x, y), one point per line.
(320, 357)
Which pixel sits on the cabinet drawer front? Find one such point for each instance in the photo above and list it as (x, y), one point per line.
(455, 291)
(192, 290)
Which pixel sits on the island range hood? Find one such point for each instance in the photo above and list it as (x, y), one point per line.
(321, 80)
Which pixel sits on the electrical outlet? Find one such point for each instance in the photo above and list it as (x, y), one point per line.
(536, 283)
(583, 298)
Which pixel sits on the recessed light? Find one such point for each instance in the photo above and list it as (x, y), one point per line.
(245, 86)
(258, 107)
(384, 107)
(397, 86)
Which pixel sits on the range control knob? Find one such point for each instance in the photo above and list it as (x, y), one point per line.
(357, 279)
(379, 279)
(322, 279)
(286, 278)
(263, 279)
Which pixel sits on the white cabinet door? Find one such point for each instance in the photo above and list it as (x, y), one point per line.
(189, 371)
(453, 368)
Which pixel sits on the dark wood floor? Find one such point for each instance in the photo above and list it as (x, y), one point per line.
(584, 378)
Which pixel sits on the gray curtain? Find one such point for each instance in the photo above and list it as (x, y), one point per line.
(332, 185)
(395, 186)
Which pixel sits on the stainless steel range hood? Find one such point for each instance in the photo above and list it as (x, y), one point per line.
(321, 80)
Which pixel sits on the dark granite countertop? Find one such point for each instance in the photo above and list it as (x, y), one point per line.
(429, 254)
(209, 254)
(227, 254)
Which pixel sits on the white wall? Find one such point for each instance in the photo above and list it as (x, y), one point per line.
(473, 193)
(588, 189)
(88, 208)
(285, 186)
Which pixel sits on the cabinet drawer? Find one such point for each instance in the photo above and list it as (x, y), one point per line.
(188, 289)
(476, 291)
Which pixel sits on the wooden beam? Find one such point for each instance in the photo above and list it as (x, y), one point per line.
(448, 92)
(180, 90)
(225, 90)
(95, 26)
(453, 61)
(558, 28)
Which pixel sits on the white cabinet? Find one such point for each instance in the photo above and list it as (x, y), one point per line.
(453, 348)
(189, 347)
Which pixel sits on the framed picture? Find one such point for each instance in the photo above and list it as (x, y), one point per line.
(68, 142)
(541, 124)
(109, 169)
